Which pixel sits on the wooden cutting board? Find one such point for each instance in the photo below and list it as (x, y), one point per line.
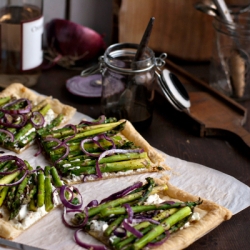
(215, 112)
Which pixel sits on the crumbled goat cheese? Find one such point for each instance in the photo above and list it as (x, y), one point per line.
(153, 199)
(99, 226)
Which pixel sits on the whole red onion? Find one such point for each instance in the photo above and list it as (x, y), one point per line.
(69, 42)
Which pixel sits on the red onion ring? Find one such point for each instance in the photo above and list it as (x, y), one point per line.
(100, 120)
(67, 203)
(146, 219)
(119, 151)
(129, 212)
(15, 183)
(120, 232)
(16, 111)
(131, 229)
(65, 154)
(85, 245)
(95, 140)
(62, 144)
(123, 192)
(93, 203)
(72, 136)
(39, 151)
(19, 162)
(111, 152)
(33, 119)
(8, 133)
(54, 139)
(6, 121)
(84, 150)
(65, 222)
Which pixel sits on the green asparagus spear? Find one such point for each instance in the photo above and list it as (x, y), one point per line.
(108, 231)
(48, 190)
(56, 178)
(54, 123)
(8, 179)
(112, 167)
(110, 159)
(32, 205)
(16, 204)
(41, 189)
(137, 209)
(3, 194)
(4, 100)
(165, 225)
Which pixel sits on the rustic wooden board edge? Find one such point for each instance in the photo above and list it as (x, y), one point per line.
(205, 87)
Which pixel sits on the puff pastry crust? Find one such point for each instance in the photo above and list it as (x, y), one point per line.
(211, 215)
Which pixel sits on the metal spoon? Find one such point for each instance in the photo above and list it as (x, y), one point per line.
(209, 7)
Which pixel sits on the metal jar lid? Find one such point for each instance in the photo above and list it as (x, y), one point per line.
(174, 90)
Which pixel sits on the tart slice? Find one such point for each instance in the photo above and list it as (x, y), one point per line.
(101, 149)
(27, 195)
(154, 215)
(23, 112)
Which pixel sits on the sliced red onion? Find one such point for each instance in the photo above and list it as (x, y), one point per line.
(19, 162)
(98, 170)
(85, 151)
(120, 232)
(122, 192)
(17, 111)
(93, 203)
(96, 141)
(110, 140)
(119, 151)
(37, 119)
(17, 182)
(66, 223)
(54, 139)
(72, 136)
(7, 120)
(146, 219)
(61, 144)
(39, 151)
(131, 229)
(100, 120)
(168, 202)
(8, 133)
(85, 245)
(67, 203)
(158, 243)
(111, 152)
(129, 212)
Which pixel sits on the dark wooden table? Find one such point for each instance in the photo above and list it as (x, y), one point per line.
(172, 132)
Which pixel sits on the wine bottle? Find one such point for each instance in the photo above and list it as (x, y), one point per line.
(21, 29)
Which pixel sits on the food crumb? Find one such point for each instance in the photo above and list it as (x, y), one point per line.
(187, 141)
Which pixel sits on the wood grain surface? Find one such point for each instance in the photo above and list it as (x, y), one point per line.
(179, 28)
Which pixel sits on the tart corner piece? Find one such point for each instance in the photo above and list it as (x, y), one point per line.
(24, 112)
(18, 90)
(182, 218)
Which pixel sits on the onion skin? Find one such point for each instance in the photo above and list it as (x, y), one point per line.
(73, 40)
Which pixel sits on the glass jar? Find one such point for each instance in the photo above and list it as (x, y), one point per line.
(21, 25)
(128, 86)
(230, 62)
